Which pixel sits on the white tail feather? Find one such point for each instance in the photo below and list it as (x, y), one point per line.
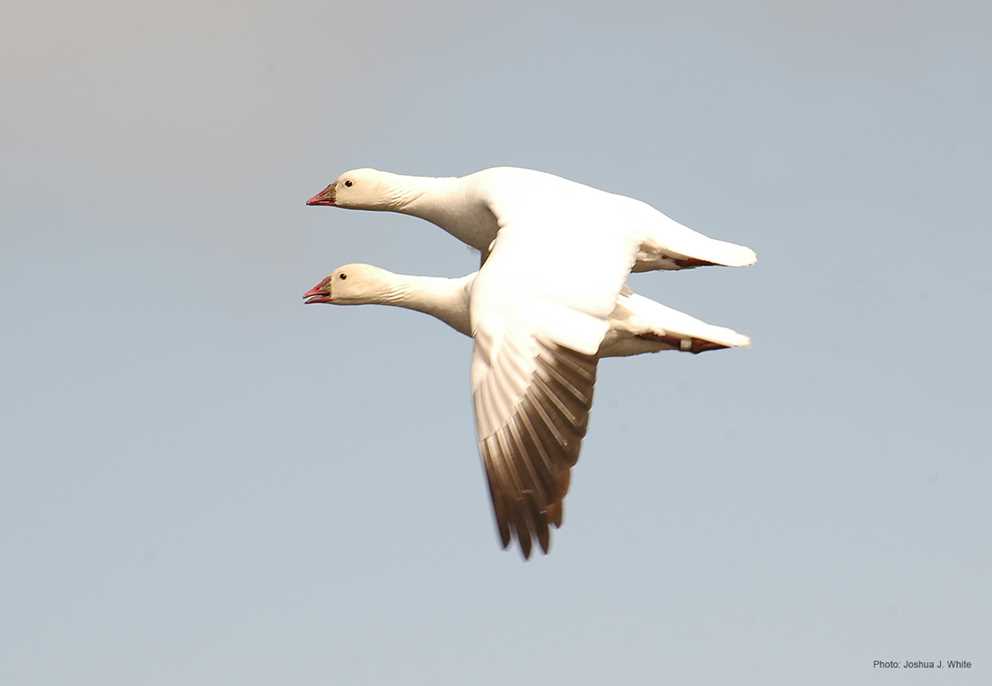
(653, 317)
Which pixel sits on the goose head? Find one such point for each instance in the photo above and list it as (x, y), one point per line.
(361, 189)
(352, 284)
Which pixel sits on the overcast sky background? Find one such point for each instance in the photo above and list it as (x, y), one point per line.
(204, 481)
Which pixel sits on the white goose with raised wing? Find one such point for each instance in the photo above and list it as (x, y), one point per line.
(474, 208)
(533, 368)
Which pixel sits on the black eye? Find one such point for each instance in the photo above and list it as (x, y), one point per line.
(342, 276)
(347, 183)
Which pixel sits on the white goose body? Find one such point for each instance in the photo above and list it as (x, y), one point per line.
(532, 392)
(555, 260)
(637, 324)
(475, 207)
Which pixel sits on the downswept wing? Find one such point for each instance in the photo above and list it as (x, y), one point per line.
(540, 309)
(532, 409)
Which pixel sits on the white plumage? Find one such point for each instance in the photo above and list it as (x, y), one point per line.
(549, 296)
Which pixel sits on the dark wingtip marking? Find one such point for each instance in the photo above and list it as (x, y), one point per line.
(544, 537)
(528, 459)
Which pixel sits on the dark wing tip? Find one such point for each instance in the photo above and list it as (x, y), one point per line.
(523, 536)
(544, 537)
(528, 459)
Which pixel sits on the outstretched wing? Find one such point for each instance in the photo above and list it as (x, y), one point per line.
(532, 407)
(540, 310)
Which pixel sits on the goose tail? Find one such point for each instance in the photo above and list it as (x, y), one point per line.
(678, 329)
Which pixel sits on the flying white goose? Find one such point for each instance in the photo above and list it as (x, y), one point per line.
(473, 208)
(533, 372)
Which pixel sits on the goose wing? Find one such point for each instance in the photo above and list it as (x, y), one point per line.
(540, 310)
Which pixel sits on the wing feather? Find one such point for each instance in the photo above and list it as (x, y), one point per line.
(540, 310)
(535, 434)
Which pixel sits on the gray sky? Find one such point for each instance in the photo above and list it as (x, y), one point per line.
(204, 481)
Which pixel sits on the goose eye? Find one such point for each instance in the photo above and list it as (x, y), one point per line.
(347, 183)
(342, 276)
